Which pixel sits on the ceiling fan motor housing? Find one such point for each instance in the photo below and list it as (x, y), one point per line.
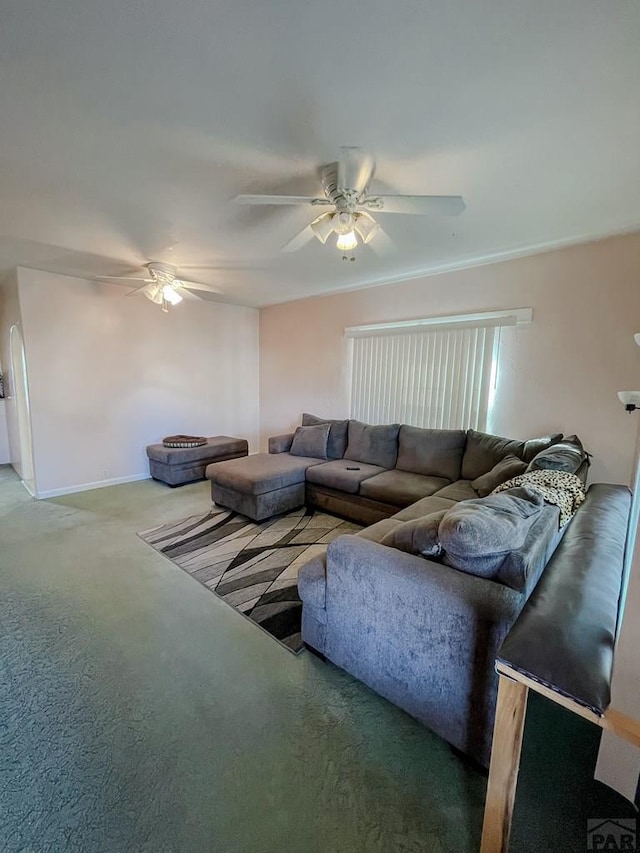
(344, 199)
(161, 272)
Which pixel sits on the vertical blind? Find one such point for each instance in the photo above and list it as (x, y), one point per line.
(434, 377)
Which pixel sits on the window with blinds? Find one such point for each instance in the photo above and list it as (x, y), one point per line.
(437, 373)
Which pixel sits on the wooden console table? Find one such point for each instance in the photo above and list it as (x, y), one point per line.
(562, 646)
(511, 711)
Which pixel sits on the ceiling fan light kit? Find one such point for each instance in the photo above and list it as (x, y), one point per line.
(346, 189)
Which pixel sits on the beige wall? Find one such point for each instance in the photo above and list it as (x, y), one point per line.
(109, 375)
(560, 373)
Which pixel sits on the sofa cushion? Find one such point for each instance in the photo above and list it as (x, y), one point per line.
(566, 455)
(477, 536)
(433, 452)
(535, 445)
(419, 536)
(482, 451)
(504, 470)
(400, 488)
(337, 443)
(376, 532)
(423, 507)
(461, 490)
(311, 441)
(374, 445)
(342, 474)
(260, 473)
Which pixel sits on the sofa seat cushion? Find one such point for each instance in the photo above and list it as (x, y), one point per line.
(374, 445)
(423, 507)
(461, 490)
(400, 488)
(261, 473)
(337, 443)
(377, 532)
(433, 452)
(483, 451)
(342, 474)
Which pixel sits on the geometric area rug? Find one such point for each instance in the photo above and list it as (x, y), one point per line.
(252, 565)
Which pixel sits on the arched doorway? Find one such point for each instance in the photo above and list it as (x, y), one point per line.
(22, 415)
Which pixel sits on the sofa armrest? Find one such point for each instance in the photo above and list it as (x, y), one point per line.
(280, 443)
(380, 578)
(421, 634)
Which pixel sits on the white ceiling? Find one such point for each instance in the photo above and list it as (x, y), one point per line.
(126, 127)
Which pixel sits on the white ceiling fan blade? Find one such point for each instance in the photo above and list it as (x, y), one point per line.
(381, 243)
(439, 205)
(186, 294)
(279, 199)
(197, 285)
(301, 239)
(355, 168)
(219, 267)
(117, 278)
(140, 289)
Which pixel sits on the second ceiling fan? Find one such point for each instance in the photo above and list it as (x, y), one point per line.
(162, 284)
(345, 185)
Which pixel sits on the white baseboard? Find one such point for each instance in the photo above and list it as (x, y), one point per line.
(86, 487)
(27, 488)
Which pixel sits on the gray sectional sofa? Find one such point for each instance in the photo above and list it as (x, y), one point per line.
(422, 631)
(364, 472)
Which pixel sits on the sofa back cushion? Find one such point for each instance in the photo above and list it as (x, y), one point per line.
(375, 445)
(433, 452)
(483, 451)
(311, 441)
(533, 446)
(478, 536)
(337, 443)
(567, 455)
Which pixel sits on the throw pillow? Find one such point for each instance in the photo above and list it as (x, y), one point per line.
(507, 468)
(535, 445)
(567, 455)
(483, 451)
(478, 535)
(418, 536)
(374, 445)
(311, 441)
(337, 443)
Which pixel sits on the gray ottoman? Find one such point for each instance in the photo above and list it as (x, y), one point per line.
(262, 485)
(178, 465)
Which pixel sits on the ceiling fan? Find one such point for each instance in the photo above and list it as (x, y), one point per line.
(163, 286)
(345, 185)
